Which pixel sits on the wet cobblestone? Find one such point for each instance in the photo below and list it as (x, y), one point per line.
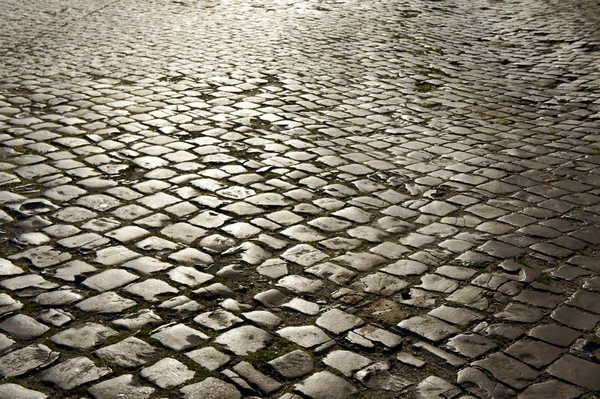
(299, 199)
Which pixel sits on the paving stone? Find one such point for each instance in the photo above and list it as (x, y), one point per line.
(408, 359)
(585, 300)
(369, 234)
(210, 387)
(130, 212)
(520, 313)
(43, 256)
(150, 289)
(338, 321)
(139, 319)
(378, 377)
(58, 298)
(191, 257)
(486, 211)
(179, 337)
(130, 352)
(181, 305)
(249, 253)
(440, 355)
(128, 234)
(534, 353)
(302, 233)
(353, 214)
(268, 200)
(244, 340)
(435, 387)
(189, 276)
(241, 209)
(208, 357)
(108, 302)
(74, 214)
(271, 298)
(585, 349)
(305, 336)
(416, 240)
(468, 168)
(56, 317)
(294, 364)
(302, 306)
(24, 360)
(265, 384)
(390, 250)
(405, 267)
(379, 335)
(7, 268)
(438, 208)
(477, 383)
(100, 225)
(428, 327)
(500, 250)
(554, 334)
(157, 244)
(216, 243)
(550, 388)
(73, 373)
(324, 384)
(10, 391)
(23, 327)
(330, 224)
(115, 255)
(263, 318)
(332, 272)
(239, 382)
(491, 281)
(85, 336)
(470, 345)
(438, 229)
(217, 320)
(577, 371)
(346, 362)
(575, 318)
(241, 230)
(273, 268)
(341, 243)
(459, 316)
(509, 331)
(182, 232)
(432, 282)
(360, 261)
(300, 284)
(119, 387)
(381, 283)
(167, 373)
(509, 371)
(109, 280)
(590, 263)
(209, 219)
(304, 255)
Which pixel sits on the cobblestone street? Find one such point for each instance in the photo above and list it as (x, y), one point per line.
(296, 199)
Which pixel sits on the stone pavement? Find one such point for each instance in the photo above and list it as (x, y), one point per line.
(299, 199)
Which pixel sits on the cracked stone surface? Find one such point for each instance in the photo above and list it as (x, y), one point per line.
(279, 198)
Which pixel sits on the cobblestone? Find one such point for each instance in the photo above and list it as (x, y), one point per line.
(407, 191)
